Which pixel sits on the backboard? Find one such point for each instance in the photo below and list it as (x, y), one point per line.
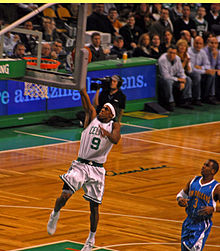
(76, 80)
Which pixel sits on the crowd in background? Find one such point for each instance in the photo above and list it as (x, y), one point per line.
(139, 29)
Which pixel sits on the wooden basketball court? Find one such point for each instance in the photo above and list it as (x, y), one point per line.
(145, 171)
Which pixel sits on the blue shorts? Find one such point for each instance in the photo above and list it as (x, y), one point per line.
(195, 234)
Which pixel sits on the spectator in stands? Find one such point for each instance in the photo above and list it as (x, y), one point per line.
(206, 36)
(201, 23)
(118, 47)
(213, 54)
(97, 21)
(168, 40)
(46, 50)
(155, 48)
(155, 10)
(193, 9)
(10, 40)
(182, 52)
(107, 7)
(172, 76)
(30, 41)
(202, 75)
(113, 18)
(131, 33)
(19, 50)
(184, 23)
(213, 18)
(141, 11)
(160, 26)
(143, 47)
(176, 12)
(98, 53)
(49, 29)
(58, 53)
(185, 34)
(148, 21)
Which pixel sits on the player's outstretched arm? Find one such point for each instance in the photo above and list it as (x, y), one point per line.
(88, 107)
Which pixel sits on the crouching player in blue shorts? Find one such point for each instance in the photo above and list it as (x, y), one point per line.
(199, 197)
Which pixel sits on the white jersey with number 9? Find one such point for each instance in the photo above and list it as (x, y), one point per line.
(93, 146)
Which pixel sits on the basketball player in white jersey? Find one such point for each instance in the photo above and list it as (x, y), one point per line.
(99, 135)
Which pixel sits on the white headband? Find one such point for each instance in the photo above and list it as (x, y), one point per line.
(112, 109)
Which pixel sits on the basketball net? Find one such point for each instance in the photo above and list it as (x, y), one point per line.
(37, 90)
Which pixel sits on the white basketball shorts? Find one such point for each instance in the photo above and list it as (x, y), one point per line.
(90, 178)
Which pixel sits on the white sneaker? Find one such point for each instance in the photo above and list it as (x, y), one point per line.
(52, 223)
(88, 245)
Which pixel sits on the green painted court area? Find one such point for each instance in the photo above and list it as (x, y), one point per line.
(61, 246)
(132, 122)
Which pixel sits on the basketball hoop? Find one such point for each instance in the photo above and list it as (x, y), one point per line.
(38, 90)
(46, 63)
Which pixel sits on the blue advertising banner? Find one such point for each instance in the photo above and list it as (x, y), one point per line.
(138, 82)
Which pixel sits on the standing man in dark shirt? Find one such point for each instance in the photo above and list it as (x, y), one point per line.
(30, 41)
(159, 27)
(98, 53)
(131, 33)
(112, 95)
(213, 18)
(184, 23)
(97, 21)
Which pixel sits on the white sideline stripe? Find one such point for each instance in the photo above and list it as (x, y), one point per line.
(144, 127)
(68, 141)
(52, 243)
(182, 147)
(172, 128)
(150, 243)
(110, 246)
(103, 213)
(141, 243)
(34, 147)
(41, 245)
(42, 136)
(186, 126)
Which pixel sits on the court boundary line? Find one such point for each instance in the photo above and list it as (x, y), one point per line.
(138, 126)
(68, 141)
(103, 213)
(42, 136)
(170, 145)
(41, 245)
(34, 147)
(56, 242)
(110, 246)
(151, 243)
